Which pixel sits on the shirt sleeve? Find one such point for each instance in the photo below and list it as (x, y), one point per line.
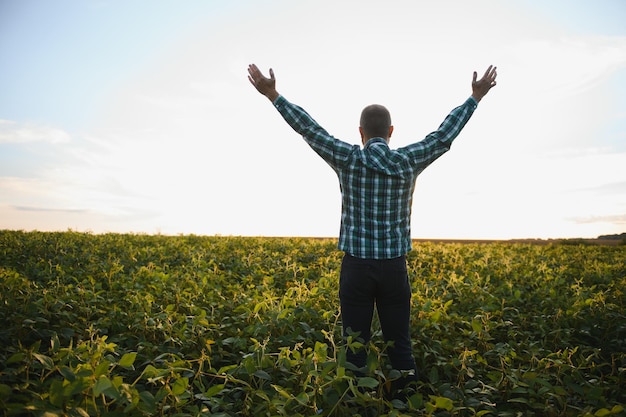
(437, 143)
(334, 151)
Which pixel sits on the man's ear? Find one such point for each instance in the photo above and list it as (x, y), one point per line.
(362, 135)
(390, 132)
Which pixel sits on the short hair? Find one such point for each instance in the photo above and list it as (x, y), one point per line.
(375, 121)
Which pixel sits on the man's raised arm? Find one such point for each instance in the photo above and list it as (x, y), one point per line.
(264, 85)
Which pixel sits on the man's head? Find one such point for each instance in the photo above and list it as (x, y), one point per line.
(375, 123)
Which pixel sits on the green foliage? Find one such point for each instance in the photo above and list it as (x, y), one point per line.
(138, 325)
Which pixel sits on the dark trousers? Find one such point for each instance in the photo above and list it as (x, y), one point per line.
(365, 283)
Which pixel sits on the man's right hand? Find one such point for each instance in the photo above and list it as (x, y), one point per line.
(264, 85)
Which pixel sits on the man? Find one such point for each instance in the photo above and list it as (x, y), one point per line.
(377, 186)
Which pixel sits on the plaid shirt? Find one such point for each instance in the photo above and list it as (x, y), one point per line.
(376, 182)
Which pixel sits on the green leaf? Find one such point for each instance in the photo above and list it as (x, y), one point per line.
(147, 403)
(433, 375)
(56, 393)
(416, 400)
(54, 343)
(263, 375)
(75, 387)
(102, 384)
(180, 386)
(443, 403)
(214, 390)
(16, 357)
(81, 412)
(150, 372)
(67, 373)
(46, 361)
(320, 351)
(281, 391)
(303, 398)
(261, 394)
(226, 368)
(617, 409)
(367, 382)
(102, 368)
(518, 400)
(128, 359)
(476, 326)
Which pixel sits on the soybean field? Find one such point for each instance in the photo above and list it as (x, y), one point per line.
(153, 325)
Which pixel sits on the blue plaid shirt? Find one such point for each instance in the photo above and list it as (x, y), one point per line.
(376, 182)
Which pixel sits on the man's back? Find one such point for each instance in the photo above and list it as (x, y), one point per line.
(376, 188)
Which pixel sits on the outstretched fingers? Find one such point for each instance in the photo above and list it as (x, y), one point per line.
(490, 75)
(253, 73)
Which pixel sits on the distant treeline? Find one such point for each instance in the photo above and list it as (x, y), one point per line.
(621, 236)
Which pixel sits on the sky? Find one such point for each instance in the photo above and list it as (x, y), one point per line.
(138, 117)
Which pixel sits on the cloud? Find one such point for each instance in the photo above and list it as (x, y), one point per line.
(612, 188)
(617, 219)
(553, 69)
(36, 192)
(73, 198)
(14, 132)
(47, 210)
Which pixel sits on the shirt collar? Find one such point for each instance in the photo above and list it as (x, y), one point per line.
(373, 141)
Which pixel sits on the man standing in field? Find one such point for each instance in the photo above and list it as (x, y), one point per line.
(377, 186)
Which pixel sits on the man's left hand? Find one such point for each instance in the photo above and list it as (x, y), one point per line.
(264, 85)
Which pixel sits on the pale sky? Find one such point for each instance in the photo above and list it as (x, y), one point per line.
(137, 116)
